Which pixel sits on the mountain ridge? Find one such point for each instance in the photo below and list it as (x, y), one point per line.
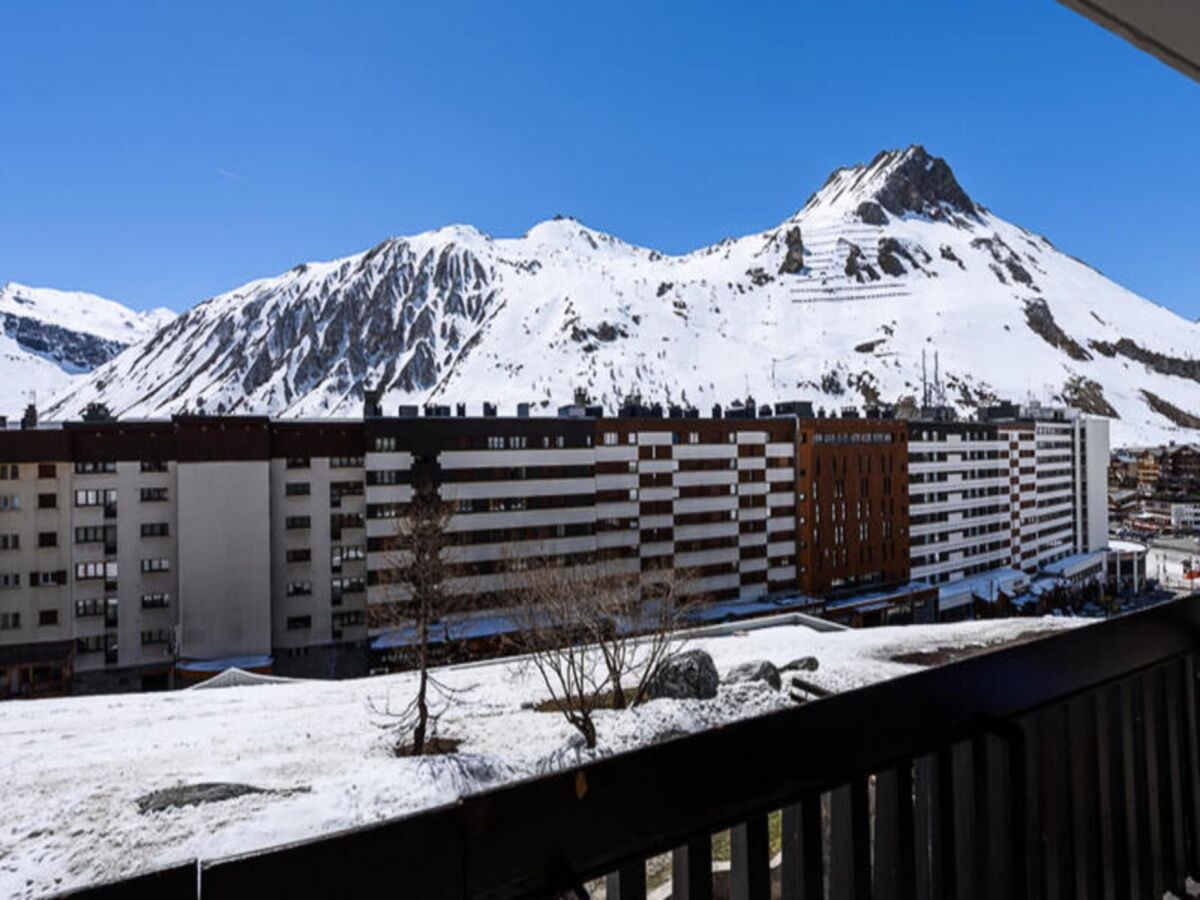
(893, 255)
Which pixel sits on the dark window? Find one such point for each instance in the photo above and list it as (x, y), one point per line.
(47, 538)
(297, 489)
(295, 623)
(293, 523)
(47, 470)
(47, 501)
(298, 462)
(48, 617)
(154, 494)
(155, 529)
(154, 465)
(302, 554)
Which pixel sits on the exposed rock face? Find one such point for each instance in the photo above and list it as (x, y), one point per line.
(871, 213)
(68, 348)
(922, 183)
(793, 262)
(857, 267)
(1041, 320)
(691, 675)
(802, 664)
(890, 253)
(1156, 362)
(1087, 396)
(1180, 417)
(1005, 256)
(760, 670)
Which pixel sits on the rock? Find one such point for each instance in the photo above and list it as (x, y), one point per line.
(920, 183)
(793, 262)
(206, 792)
(890, 253)
(759, 670)
(871, 213)
(803, 664)
(690, 675)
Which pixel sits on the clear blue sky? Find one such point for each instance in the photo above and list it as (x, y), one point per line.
(158, 153)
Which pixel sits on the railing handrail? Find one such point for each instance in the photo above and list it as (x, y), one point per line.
(553, 831)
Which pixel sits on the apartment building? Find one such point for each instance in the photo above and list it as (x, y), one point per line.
(137, 554)
(958, 484)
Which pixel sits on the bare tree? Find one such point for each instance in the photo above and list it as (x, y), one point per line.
(415, 577)
(595, 636)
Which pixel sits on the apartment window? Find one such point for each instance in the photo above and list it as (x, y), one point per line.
(10, 580)
(157, 636)
(47, 579)
(47, 617)
(47, 501)
(10, 542)
(94, 497)
(10, 502)
(154, 465)
(298, 462)
(385, 476)
(299, 588)
(95, 643)
(349, 617)
(385, 444)
(47, 470)
(348, 554)
(9, 472)
(495, 442)
(93, 606)
(155, 529)
(516, 442)
(693, 437)
(94, 534)
(95, 468)
(155, 601)
(156, 564)
(610, 438)
(297, 489)
(345, 462)
(10, 621)
(47, 538)
(94, 571)
(294, 523)
(296, 623)
(153, 494)
(302, 554)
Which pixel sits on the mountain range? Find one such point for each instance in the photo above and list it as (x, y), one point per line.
(886, 267)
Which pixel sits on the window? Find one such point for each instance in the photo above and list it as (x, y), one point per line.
(157, 636)
(47, 501)
(47, 579)
(294, 523)
(10, 621)
(93, 571)
(9, 472)
(385, 476)
(297, 489)
(10, 542)
(10, 502)
(610, 438)
(94, 497)
(95, 468)
(155, 529)
(47, 617)
(10, 580)
(302, 554)
(385, 444)
(494, 442)
(93, 606)
(299, 588)
(156, 564)
(47, 538)
(155, 465)
(298, 462)
(155, 601)
(345, 462)
(47, 470)
(153, 494)
(95, 534)
(95, 643)
(296, 623)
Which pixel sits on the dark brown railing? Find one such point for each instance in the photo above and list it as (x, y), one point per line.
(1063, 767)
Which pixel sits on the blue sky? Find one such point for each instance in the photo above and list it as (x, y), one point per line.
(158, 153)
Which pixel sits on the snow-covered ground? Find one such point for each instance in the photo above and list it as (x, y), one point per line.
(74, 768)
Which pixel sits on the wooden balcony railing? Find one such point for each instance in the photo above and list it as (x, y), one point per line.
(1064, 767)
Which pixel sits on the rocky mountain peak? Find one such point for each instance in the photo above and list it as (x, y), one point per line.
(895, 182)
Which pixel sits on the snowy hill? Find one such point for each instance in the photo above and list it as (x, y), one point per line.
(836, 305)
(49, 338)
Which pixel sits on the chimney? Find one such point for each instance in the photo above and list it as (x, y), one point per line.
(30, 419)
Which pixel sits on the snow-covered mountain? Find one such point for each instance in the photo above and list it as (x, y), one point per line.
(49, 338)
(836, 305)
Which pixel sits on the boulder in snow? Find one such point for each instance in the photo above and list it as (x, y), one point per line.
(690, 675)
(759, 670)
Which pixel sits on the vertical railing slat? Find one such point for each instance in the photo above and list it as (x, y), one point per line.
(691, 870)
(627, 883)
(850, 842)
(1175, 782)
(749, 861)
(1192, 767)
(1110, 809)
(1084, 788)
(1150, 719)
(894, 865)
(802, 872)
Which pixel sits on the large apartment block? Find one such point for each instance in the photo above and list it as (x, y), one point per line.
(137, 553)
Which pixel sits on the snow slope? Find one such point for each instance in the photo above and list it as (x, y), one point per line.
(48, 338)
(71, 815)
(836, 304)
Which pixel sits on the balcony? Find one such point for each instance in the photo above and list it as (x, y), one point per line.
(1062, 767)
